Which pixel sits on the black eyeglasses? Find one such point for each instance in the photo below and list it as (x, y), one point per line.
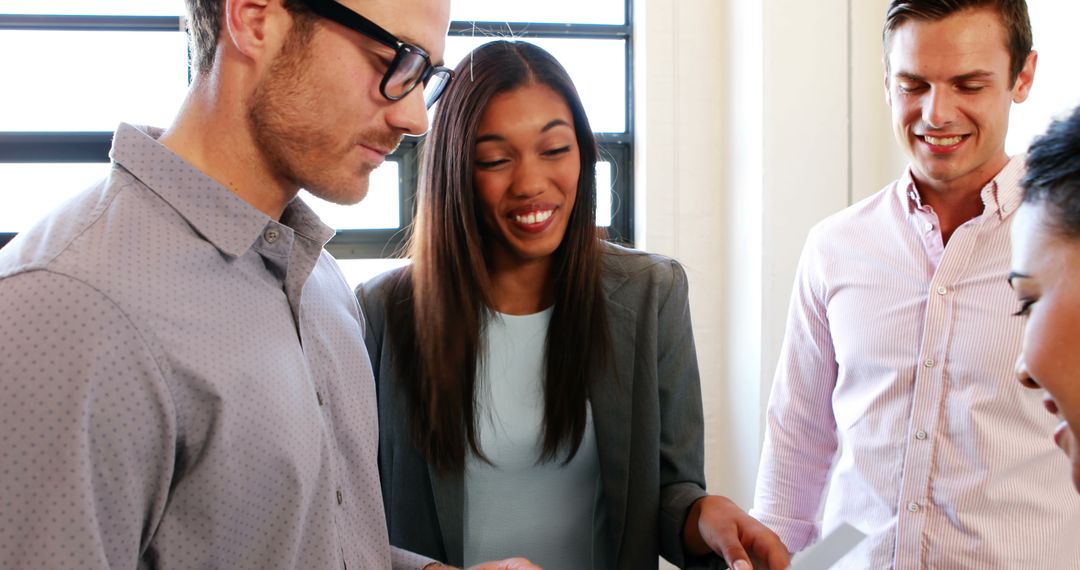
(411, 65)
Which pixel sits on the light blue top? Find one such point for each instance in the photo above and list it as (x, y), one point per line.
(516, 506)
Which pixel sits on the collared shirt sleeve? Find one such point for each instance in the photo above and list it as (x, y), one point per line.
(87, 428)
(404, 560)
(800, 435)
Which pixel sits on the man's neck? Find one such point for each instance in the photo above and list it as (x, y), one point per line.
(955, 202)
(211, 132)
(953, 209)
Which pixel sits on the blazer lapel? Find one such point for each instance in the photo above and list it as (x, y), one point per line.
(612, 403)
(449, 493)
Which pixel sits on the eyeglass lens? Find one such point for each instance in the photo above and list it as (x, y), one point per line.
(435, 86)
(408, 70)
(410, 67)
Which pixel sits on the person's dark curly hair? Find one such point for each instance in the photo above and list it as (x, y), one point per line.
(1053, 174)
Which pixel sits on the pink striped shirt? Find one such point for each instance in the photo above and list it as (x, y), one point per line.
(895, 392)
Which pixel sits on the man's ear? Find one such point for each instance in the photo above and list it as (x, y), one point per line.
(253, 26)
(888, 92)
(1027, 76)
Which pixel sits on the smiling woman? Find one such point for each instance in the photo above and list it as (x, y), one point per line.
(512, 422)
(1046, 271)
(526, 174)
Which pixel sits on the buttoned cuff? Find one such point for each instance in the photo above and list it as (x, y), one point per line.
(404, 560)
(795, 534)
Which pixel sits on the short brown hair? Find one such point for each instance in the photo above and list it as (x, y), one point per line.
(204, 28)
(1014, 16)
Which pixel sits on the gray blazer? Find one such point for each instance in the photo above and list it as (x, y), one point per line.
(647, 415)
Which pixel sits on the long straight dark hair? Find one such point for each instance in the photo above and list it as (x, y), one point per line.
(440, 304)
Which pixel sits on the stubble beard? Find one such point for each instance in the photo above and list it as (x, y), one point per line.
(284, 121)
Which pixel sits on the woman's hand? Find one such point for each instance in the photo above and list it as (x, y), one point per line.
(715, 524)
(508, 564)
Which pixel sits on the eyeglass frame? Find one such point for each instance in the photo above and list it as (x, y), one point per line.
(337, 12)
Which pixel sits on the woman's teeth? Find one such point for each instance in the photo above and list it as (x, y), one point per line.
(534, 217)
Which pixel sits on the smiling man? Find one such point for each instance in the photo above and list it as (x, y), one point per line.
(894, 400)
(182, 364)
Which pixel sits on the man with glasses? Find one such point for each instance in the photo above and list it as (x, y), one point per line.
(183, 376)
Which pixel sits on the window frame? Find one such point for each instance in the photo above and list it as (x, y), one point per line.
(93, 147)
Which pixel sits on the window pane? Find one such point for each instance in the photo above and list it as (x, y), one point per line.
(380, 209)
(604, 191)
(572, 11)
(89, 80)
(358, 271)
(96, 7)
(33, 190)
(598, 68)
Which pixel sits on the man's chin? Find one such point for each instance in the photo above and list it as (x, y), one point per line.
(935, 170)
(342, 196)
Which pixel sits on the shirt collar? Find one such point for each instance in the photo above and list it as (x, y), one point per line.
(1001, 196)
(215, 212)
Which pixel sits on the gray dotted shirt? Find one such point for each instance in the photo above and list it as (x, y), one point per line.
(183, 384)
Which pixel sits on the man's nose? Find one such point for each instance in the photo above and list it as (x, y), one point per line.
(409, 114)
(939, 108)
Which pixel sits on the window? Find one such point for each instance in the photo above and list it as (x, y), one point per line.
(88, 65)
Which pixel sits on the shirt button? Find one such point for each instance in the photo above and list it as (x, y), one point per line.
(913, 507)
(341, 498)
(271, 235)
(942, 290)
(928, 227)
(318, 396)
(920, 435)
(929, 363)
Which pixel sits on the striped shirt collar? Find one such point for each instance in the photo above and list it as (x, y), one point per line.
(1002, 195)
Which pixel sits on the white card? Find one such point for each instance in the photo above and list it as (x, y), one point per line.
(826, 552)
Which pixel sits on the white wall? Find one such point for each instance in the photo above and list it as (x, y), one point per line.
(743, 114)
(1057, 83)
(755, 119)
